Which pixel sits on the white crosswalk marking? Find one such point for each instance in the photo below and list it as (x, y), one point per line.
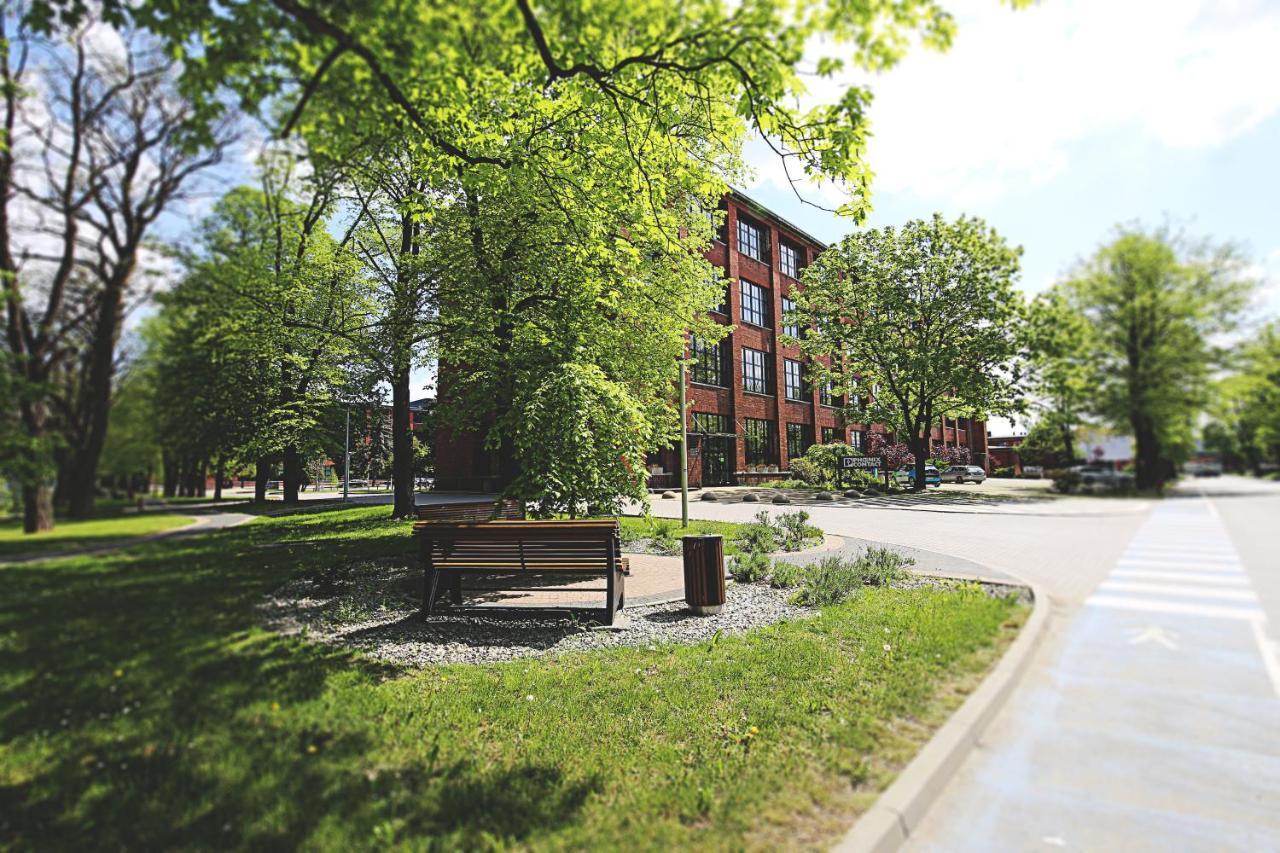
(1183, 563)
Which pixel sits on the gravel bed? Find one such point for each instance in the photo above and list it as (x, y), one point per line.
(376, 611)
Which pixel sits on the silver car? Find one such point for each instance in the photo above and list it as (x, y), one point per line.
(960, 474)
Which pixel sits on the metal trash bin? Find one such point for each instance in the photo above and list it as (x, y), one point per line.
(704, 574)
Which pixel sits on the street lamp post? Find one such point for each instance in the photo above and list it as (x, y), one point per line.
(684, 452)
(346, 461)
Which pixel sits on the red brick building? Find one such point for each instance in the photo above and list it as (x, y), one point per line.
(750, 409)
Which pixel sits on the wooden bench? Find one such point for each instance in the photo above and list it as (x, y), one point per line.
(471, 511)
(516, 555)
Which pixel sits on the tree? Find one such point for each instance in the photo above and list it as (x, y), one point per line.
(528, 289)
(582, 438)
(1058, 370)
(96, 147)
(1153, 302)
(1245, 405)
(1049, 443)
(927, 314)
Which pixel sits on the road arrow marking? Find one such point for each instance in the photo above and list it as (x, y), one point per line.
(1153, 634)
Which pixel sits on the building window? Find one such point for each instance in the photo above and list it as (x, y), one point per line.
(789, 259)
(723, 306)
(709, 361)
(828, 398)
(755, 304)
(756, 375)
(857, 440)
(799, 440)
(793, 374)
(761, 440)
(709, 424)
(751, 240)
(788, 326)
(831, 435)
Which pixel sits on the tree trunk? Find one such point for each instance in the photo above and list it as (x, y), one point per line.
(401, 446)
(261, 476)
(1068, 445)
(292, 474)
(217, 479)
(170, 465)
(202, 478)
(920, 449)
(37, 508)
(1148, 470)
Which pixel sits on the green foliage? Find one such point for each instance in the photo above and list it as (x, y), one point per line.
(835, 579)
(1152, 303)
(286, 734)
(580, 439)
(826, 458)
(760, 536)
(785, 575)
(882, 566)
(1246, 405)
(829, 581)
(1049, 443)
(795, 528)
(934, 301)
(750, 566)
(806, 470)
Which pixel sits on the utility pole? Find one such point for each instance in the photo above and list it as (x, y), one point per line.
(346, 462)
(684, 452)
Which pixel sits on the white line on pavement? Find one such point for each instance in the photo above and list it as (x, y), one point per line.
(1183, 608)
(1225, 578)
(1181, 590)
(1270, 651)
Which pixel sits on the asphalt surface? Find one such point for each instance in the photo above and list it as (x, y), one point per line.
(1150, 716)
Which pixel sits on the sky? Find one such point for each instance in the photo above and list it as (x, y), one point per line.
(1057, 122)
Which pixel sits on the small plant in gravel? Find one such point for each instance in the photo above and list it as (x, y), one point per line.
(761, 535)
(882, 567)
(829, 581)
(785, 575)
(750, 567)
(796, 530)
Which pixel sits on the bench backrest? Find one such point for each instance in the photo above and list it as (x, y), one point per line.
(536, 546)
(471, 511)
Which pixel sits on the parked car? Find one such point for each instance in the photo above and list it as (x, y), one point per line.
(960, 474)
(1102, 475)
(906, 475)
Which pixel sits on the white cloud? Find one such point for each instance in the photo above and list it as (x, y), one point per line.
(1004, 106)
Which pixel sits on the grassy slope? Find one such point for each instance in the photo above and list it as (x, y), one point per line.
(140, 707)
(72, 535)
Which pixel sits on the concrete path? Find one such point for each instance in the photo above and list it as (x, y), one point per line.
(1153, 722)
(201, 523)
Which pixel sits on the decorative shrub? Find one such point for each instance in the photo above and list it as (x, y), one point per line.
(751, 567)
(806, 471)
(795, 529)
(785, 575)
(881, 567)
(829, 581)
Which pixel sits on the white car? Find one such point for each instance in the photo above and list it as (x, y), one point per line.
(964, 474)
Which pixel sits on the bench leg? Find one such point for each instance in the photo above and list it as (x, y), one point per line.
(432, 584)
(455, 588)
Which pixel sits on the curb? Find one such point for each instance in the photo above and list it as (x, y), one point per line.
(899, 810)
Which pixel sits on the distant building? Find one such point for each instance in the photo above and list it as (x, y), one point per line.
(751, 410)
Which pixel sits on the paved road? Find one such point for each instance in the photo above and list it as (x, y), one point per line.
(1150, 718)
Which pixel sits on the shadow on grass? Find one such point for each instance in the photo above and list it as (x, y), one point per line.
(135, 696)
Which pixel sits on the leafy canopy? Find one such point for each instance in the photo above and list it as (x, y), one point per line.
(915, 323)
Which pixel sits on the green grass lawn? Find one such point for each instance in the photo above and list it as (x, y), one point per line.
(72, 535)
(640, 527)
(141, 707)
